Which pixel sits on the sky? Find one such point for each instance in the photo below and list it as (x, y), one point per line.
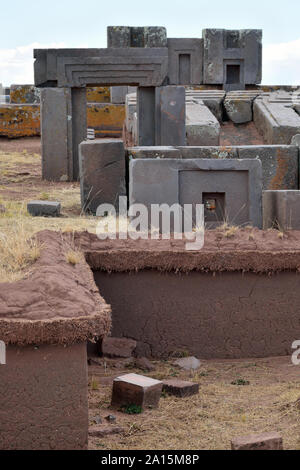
(29, 24)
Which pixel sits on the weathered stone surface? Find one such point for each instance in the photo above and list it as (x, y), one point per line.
(185, 181)
(131, 36)
(144, 364)
(275, 117)
(232, 57)
(239, 104)
(170, 116)
(106, 119)
(21, 94)
(118, 347)
(44, 208)
(280, 165)
(188, 363)
(56, 130)
(19, 120)
(118, 94)
(202, 128)
(146, 116)
(48, 409)
(153, 152)
(266, 441)
(180, 388)
(213, 99)
(103, 430)
(98, 94)
(133, 389)
(113, 66)
(102, 173)
(281, 209)
(185, 61)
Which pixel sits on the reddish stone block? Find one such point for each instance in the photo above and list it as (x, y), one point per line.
(180, 388)
(267, 441)
(104, 430)
(133, 389)
(118, 347)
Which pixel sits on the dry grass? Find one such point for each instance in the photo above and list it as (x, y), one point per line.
(73, 257)
(17, 252)
(211, 419)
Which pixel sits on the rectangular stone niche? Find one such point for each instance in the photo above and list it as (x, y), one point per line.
(43, 399)
(223, 315)
(172, 181)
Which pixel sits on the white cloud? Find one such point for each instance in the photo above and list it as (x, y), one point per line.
(16, 65)
(281, 63)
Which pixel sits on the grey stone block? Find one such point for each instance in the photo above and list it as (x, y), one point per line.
(202, 128)
(208, 152)
(102, 173)
(146, 116)
(131, 36)
(235, 185)
(113, 66)
(239, 105)
(56, 134)
(118, 94)
(275, 117)
(153, 152)
(213, 99)
(44, 208)
(280, 165)
(185, 61)
(232, 57)
(281, 209)
(170, 116)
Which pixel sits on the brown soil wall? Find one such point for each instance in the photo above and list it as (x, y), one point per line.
(210, 315)
(43, 399)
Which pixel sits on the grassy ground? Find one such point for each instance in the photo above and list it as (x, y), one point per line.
(211, 419)
(20, 182)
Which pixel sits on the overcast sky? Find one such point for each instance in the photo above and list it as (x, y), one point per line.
(29, 24)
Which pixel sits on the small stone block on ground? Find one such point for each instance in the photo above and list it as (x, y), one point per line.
(104, 430)
(118, 347)
(133, 389)
(44, 208)
(267, 441)
(180, 388)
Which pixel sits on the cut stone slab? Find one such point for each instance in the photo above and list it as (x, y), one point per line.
(102, 173)
(133, 389)
(103, 430)
(239, 104)
(202, 128)
(274, 116)
(235, 186)
(188, 363)
(185, 61)
(170, 115)
(180, 388)
(153, 152)
(281, 209)
(213, 99)
(44, 208)
(267, 441)
(118, 347)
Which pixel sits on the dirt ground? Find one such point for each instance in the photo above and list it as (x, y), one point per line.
(211, 419)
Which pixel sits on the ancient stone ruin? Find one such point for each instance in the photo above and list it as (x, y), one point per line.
(156, 120)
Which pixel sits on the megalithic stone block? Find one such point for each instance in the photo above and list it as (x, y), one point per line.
(133, 389)
(232, 57)
(102, 173)
(142, 36)
(281, 209)
(113, 66)
(233, 186)
(170, 116)
(185, 61)
(146, 116)
(79, 125)
(56, 131)
(266, 441)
